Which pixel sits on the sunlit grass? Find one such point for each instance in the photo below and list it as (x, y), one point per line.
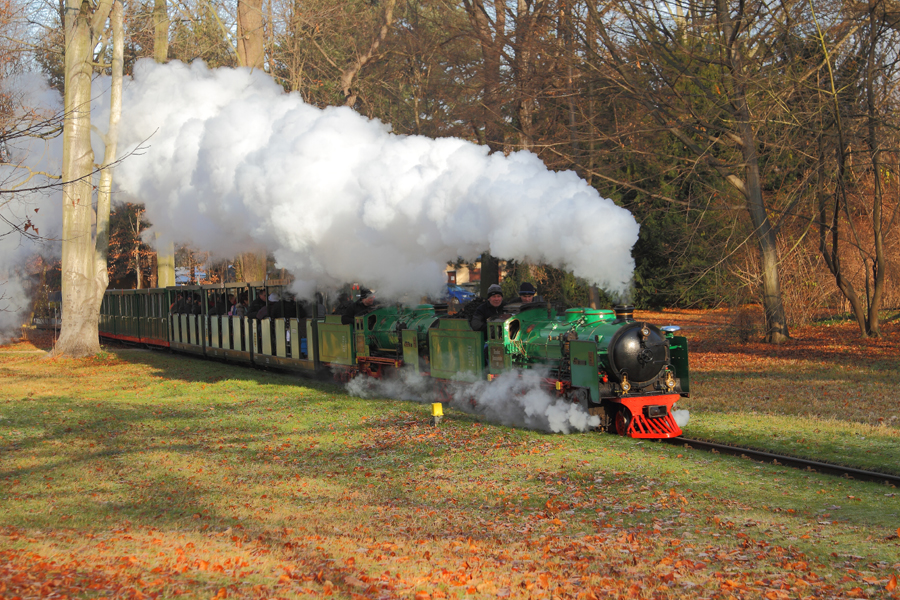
(172, 476)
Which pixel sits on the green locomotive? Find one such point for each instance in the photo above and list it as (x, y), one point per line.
(629, 373)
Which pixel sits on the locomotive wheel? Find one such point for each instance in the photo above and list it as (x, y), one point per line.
(622, 421)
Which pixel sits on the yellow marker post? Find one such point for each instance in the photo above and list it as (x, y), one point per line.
(437, 412)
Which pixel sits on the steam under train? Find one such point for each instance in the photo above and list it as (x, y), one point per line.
(628, 372)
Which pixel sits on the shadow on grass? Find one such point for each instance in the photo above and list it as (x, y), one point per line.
(154, 494)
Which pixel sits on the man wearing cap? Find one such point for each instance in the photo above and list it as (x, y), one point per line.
(526, 292)
(490, 309)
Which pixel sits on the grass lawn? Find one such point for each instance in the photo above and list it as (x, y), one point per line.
(145, 474)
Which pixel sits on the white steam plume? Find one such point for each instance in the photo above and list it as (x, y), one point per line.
(515, 399)
(25, 161)
(233, 163)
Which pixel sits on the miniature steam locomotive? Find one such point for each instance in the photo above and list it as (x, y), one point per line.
(629, 373)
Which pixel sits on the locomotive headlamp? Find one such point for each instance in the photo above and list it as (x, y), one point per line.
(626, 386)
(670, 380)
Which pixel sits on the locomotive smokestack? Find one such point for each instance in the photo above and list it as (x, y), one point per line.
(624, 312)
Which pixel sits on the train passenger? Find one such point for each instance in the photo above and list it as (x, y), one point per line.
(320, 306)
(196, 307)
(177, 306)
(265, 311)
(240, 309)
(257, 304)
(490, 309)
(232, 302)
(289, 308)
(221, 306)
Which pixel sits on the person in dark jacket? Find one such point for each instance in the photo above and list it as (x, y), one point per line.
(177, 307)
(365, 303)
(265, 311)
(288, 308)
(343, 305)
(256, 304)
(490, 309)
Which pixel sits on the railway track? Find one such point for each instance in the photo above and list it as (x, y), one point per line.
(791, 461)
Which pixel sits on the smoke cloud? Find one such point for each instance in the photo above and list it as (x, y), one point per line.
(231, 163)
(515, 399)
(26, 162)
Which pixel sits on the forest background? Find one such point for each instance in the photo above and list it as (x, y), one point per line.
(755, 142)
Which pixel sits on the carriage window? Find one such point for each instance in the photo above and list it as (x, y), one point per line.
(514, 329)
(370, 322)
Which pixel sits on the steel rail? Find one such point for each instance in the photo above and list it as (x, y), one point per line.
(791, 461)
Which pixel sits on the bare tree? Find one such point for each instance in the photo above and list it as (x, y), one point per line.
(857, 156)
(356, 63)
(698, 77)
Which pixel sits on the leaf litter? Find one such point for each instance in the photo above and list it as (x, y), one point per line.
(158, 477)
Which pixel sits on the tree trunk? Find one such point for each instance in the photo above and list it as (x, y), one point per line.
(773, 306)
(776, 322)
(523, 69)
(492, 42)
(165, 263)
(569, 37)
(137, 250)
(160, 31)
(879, 264)
(254, 266)
(84, 275)
(251, 34)
(165, 253)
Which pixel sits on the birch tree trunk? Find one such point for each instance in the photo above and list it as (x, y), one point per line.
(84, 274)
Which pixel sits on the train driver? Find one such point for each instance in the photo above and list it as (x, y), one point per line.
(364, 304)
(490, 309)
